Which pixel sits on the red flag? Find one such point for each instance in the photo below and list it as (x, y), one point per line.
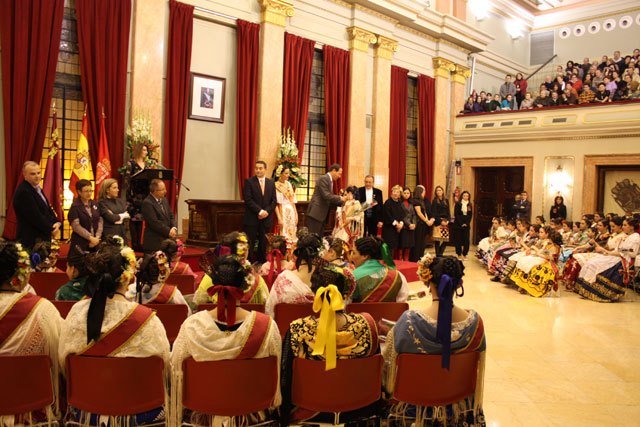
(103, 168)
(82, 166)
(52, 185)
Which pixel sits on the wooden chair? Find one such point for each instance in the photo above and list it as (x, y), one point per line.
(284, 314)
(117, 386)
(247, 306)
(64, 307)
(186, 283)
(46, 284)
(353, 384)
(26, 384)
(232, 379)
(378, 310)
(172, 316)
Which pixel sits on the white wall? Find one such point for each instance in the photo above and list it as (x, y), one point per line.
(503, 44)
(210, 153)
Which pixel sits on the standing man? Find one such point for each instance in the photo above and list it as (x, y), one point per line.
(260, 202)
(36, 220)
(508, 88)
(372, 216)
(322, 199)
(524, 207)
(159, 221)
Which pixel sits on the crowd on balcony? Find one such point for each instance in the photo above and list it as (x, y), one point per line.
(615, 78)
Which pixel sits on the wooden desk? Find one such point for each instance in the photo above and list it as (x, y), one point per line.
(209, 220)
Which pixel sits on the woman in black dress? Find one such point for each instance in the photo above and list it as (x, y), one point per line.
(558, 210)
(137, 190)
(393, 220)
(422, 208)
(463, 213)
(85, 220)
(112, 209)
(408, 233)
(441, 213)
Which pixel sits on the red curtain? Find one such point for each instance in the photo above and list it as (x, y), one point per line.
(176, 92)
(426, 126)
(298, 59)
(399, 104)
(247, 98)
(30, 38)
(103, 38)
(337, 94)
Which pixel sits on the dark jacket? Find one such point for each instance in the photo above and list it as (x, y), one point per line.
(322, 199)
(159, 221)
(34, 216)
(255, 201)
(460, 218)
(110, 210)
(440, 211)
(376, 211)
(523, 210)
(91, 223)
(392, 211)
(558, 212)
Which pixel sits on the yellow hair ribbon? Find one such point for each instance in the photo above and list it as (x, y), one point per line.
(328, 300)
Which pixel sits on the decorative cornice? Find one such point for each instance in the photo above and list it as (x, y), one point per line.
(443, 67)
(360, 39)
(342, 3)
(455, 46)
(417, 33)
(376, 14)
(276, 11)
(461, 74)
(385, 47)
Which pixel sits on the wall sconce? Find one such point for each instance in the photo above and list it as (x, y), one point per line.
(560, 182)
(479, 8)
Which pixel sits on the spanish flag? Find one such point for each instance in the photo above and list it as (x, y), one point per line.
(103, 168)
(82, 167)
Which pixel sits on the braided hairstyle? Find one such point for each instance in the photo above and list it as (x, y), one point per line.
(149, 271)
(229, 271)
(336, 244)
(370, 246)
(553, 235)
(40, 254)
(307, 250)
(327, 274)
(8, 261)
(449, 265)
(170, 248)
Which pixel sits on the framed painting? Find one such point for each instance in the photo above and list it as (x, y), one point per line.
(207, 98)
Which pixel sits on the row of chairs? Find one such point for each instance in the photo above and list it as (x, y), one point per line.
(173, 315)
(128, 386)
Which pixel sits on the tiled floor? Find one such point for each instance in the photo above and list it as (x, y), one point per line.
(561, 361)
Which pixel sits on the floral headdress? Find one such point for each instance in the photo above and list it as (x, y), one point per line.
(129, 264)
(20, 278)
(424, 268)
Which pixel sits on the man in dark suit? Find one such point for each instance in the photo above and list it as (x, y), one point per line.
(524, 207)
(372, 216)
(322, 199)
(160, 222)
(36, 220)
(260, 201)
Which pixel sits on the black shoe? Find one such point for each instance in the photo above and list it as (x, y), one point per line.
(495, 279)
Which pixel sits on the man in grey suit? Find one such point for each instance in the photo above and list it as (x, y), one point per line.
(159, 219)
(322, 199)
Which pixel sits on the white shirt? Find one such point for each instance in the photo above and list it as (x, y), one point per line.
(369, 195)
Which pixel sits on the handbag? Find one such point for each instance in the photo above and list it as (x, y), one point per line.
(441, 233)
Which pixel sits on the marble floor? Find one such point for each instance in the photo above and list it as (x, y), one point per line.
(557, 361)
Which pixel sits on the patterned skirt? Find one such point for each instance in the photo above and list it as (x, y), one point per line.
(538, 282)
(608, 286)
(501, 261)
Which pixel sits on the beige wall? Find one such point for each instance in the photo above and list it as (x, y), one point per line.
(502, 44)
(210, 157)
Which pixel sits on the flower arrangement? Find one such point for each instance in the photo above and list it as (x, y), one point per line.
(287, 158)
(140, 131)
(20, 278)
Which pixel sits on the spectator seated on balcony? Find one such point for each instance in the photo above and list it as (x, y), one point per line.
(507, 103)
(588, 81)
(610, 85)
(494, 105)
(555, 100)
(548, 82)
(598, 78)
(602, 95)
(508, 88)
(576, 82)
(527, 102)
(542, 100)
(468, 106)
(569, 97)
(586, 96)
(560, 83)
(487, 102)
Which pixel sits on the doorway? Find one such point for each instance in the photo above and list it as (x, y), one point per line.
(495, 191)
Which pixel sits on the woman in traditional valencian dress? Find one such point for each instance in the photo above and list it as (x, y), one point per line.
(509, 249)
(101, 326)
(150, 286)
(236, 244)
(174, 249)
(294, 286)
(220, 334)
(352, 336)
(29, 325)
(604, 277)
(442, 328)
(376, 281)
(286, 207)
(536, 273)
(349, 218)
(497, 234)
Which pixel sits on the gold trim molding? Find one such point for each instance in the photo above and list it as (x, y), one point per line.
(385, 47)
(360, 39)
(455, 46)
(443, 67)
(375, 13)
(276, 11)
(461, 74)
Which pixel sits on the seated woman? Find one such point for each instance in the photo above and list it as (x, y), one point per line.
(349, 218)
(77, 273)
(335, 251)
(226, 332)
(100, 325)
(174, 249)
(376, 281)
(529, 240)
(604, 277)
(513, 246)
(150, 286)
(294, 286)
(276, 258)
(442, 328)
(497, 235)
(234, 243)
(536, 273)
(44, 256)
(353, 336)
(29, 325)
(509, 241)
